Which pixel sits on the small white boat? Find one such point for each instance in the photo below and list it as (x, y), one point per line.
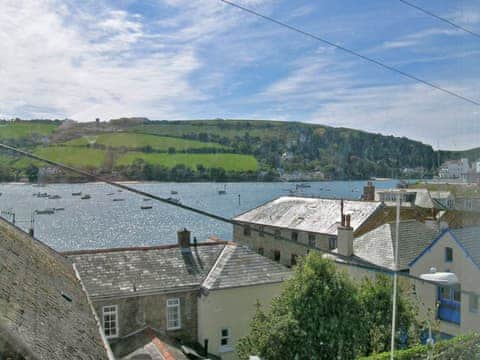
(174, 200)
(173, 192)
(77, 193)
(85, 197)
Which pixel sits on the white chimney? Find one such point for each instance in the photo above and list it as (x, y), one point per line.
(345, 237)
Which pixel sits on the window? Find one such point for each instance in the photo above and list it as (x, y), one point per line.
(474, 303)
(262, 231)
(277, 234)
(311, 240)
(247, 231)
(448, 254)
(332, 242)
(468, 204)
(110, 321)
(173, 314)
(276, 255)
(260, 250)
(293, 260)
(450, 203)
(294, 236)
(225, 340)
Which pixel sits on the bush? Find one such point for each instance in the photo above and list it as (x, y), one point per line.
(465, 347)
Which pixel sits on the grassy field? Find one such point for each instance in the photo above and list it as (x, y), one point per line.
(135, 141)
(74, 156)
(19, 130)
(230, 162)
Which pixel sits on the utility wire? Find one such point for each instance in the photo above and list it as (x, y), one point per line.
(352, 52)
(425, 11)
(345, 260)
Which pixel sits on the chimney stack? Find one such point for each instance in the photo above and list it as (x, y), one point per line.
(345, 237)
(369, 192)
(183, 237)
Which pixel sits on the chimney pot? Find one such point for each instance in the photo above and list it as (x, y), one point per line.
(183, 237)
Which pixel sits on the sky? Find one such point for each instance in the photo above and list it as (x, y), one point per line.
(198, 59)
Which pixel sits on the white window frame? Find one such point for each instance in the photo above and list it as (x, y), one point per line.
(228, 347)
(110, 310)
(174, 303)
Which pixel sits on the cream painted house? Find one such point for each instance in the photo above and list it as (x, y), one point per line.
(456, 309)
(238, 281)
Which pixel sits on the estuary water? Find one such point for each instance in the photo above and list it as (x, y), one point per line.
(101, 222)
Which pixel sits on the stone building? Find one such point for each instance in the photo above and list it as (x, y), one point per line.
(44, 311)
(300, 220)
(178, 292)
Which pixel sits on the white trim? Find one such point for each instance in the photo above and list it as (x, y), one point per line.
(117, 327)
(177, 306)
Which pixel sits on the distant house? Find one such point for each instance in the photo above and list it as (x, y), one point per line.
(44, 312)
(456, 308)
(410, 197)
(199, 295)
(302, 220)
(454, 169)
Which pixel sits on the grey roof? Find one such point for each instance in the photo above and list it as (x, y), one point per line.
(377, 246)
(136, 271)
(36, 321)
(309, 214)
(239, 266)
(469, 238)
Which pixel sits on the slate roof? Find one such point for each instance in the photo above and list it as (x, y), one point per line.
(135, 271)
(238, 266)
(469, 238)
(309, 214)
(36, 321)
(377, 246)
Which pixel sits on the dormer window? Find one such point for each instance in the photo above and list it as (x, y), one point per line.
(448, 254)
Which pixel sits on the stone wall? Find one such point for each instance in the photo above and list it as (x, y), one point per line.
(134, 313)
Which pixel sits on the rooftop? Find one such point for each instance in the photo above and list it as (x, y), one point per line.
(142, 271)
(309, 214)
(469, 238)
(238, 266)
(132, 272)
(377, 246)
(44, 313)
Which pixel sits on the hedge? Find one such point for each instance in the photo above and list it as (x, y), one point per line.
(465, 347)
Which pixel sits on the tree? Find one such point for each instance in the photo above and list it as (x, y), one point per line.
(31, 171)
(321, 314)
(376, 299)
(317, 316)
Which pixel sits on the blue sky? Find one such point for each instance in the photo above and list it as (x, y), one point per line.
(179, 59)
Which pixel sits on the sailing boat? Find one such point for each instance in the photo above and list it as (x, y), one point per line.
(224, 191)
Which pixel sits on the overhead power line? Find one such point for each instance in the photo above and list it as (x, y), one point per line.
(425, 11)
(346, 259)
(352, 52)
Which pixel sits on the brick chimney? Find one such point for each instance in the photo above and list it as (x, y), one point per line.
(369, 192)
(345, 237)
(183, 237)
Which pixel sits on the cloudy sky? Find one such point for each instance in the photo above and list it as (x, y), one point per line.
(190, 59)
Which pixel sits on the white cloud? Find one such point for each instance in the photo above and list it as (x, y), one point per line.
(88, 60)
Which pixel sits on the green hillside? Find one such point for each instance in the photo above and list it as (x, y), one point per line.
(138, 148)
(229, 162)
(22, 129)
(138, 141)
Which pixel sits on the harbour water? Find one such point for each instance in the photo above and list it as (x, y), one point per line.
(101, 222)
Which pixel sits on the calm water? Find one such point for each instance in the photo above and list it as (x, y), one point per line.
(99, 222)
